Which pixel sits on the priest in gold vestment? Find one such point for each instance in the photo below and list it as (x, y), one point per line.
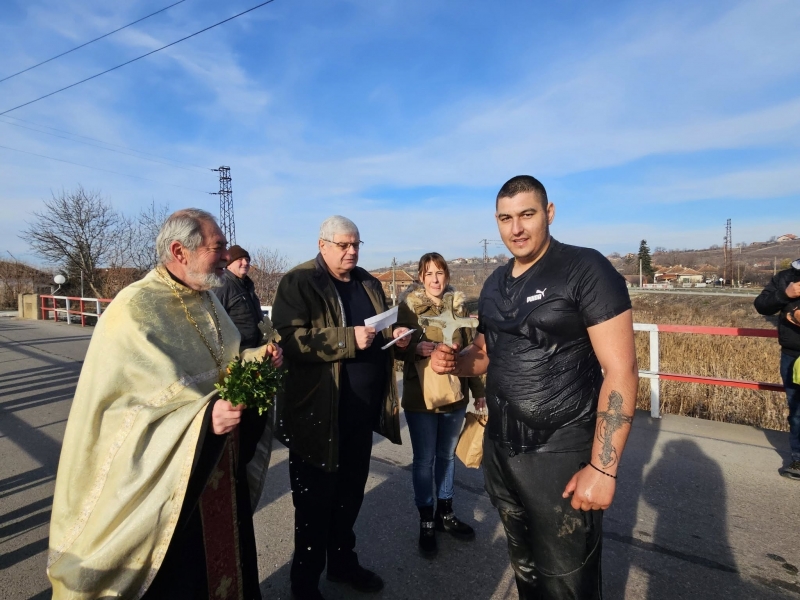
(147, 501)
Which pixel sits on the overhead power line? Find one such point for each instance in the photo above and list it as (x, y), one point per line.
(63, 137)
(86, 137)
(90, 42)
(69, 162)
(244, 12)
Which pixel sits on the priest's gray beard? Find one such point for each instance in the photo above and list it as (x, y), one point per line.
(205, 281)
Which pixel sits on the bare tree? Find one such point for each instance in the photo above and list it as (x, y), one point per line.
(135, 254)
(80, 231)
(268, 266)
(143, 247)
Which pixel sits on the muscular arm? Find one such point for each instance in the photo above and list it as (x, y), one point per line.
(612, 342)
(472, 361)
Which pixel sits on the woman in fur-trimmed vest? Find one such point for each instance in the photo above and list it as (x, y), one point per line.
(434, 404)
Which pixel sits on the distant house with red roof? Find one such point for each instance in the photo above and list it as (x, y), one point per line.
(679, 274)
(401, 281)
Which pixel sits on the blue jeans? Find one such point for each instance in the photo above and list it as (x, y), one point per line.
(434, 437)
(793, 398)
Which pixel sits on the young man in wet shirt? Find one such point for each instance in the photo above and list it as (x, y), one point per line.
(556, 342)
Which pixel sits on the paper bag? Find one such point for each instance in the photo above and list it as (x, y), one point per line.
(437, 389)
(470, 444)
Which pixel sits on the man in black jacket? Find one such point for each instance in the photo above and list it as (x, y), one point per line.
(782, 295)
(238, 296)
(339, 388)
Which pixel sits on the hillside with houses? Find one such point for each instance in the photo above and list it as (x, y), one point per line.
(752, 264)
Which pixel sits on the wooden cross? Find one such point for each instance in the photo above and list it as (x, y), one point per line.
(448, 321)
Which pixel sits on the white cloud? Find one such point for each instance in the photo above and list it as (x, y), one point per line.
(664, 82)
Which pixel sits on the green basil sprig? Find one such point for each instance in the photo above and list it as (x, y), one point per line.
(252, 383)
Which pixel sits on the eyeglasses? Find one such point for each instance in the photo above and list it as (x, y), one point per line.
(345, 246)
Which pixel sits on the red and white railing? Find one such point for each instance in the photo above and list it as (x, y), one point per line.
(654, 375)
(56, 308)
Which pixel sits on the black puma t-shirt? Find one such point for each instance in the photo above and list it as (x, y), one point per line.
(544, 379)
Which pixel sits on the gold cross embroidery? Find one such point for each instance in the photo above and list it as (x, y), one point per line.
(213, 481)
(224, 587)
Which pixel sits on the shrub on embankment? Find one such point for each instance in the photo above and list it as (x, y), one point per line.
(751, 359)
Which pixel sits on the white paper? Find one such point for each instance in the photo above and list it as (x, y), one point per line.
(383, 320)
(398, 338)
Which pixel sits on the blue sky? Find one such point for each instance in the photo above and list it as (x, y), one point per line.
(654, 120)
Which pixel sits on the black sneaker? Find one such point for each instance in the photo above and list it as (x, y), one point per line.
(792, 471)
(358, 578)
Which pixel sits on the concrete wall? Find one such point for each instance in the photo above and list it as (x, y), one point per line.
(29, 306)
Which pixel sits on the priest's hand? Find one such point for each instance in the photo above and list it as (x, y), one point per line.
(225, 417)
(274, 353)
(444, 358)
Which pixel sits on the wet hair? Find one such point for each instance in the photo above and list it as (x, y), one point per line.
(337, 225)
(435, 258)
(182, 226)
(521, 184)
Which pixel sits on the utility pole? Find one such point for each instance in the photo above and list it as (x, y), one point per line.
(394, 282)
(225, 194)
(485, 243)
(640, 273)
(727, 250)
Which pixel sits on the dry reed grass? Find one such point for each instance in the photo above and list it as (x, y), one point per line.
(753, 359)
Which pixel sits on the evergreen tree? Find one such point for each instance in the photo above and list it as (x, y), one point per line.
(644, 257)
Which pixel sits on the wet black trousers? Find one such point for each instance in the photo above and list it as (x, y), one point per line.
(326, 507)
(554, 549)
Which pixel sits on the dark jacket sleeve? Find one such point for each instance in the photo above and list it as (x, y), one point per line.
(773, 298)
(298, 314)
(477, 387)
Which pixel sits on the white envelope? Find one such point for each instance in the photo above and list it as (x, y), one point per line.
(383, 320)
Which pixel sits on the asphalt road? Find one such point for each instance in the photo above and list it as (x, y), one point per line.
(700, 510)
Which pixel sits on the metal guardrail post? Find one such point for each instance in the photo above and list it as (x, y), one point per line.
(655, 382)
(652, 372)
(655, 376)
(67, 311)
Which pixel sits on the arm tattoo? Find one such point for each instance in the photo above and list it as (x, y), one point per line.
(608, 423)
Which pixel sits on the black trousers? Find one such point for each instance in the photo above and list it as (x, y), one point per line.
(554, 549)
(326, 507)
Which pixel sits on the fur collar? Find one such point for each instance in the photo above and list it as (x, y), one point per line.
(417, 300)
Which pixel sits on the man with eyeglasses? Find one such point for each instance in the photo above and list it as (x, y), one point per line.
(339, 389)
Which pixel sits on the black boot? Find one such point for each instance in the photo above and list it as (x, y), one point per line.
(446, 520)
(427, 532)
